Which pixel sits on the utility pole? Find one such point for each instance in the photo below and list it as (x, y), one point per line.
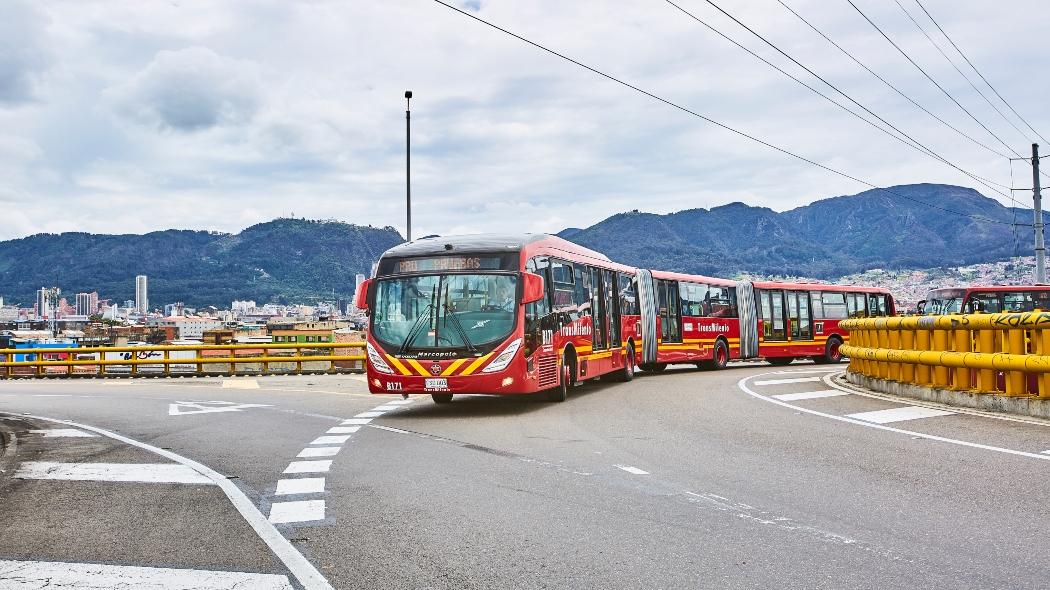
(408, 163)
(1040, 249)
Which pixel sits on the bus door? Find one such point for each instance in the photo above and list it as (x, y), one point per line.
(599, 311)
(798, 315)
(670, 320)
(612, 304)
(773, 320)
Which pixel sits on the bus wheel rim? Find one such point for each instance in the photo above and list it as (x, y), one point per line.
(834, 349)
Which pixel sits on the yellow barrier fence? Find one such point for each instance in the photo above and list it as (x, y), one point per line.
(1003, 353)
(196, 360)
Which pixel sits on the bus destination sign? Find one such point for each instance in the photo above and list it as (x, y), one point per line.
(443, 263)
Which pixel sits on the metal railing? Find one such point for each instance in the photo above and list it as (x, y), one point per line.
(1004, 353)
(188, 360)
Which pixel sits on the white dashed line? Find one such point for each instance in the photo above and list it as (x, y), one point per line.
(632, 470)
(320, 466)
(119, 472)
(296, 511)
(356, 421)
(899, 414)
(330, 440)
(399, 402)
(786, 381)
(372, 414)
(42, 574)
(343, 429)
(302, 485)
(790, 397)
(1046, 452)
(64, 433)
(318, 452)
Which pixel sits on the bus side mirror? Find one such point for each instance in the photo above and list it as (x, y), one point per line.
(920, 306)
(361, 296)
(533, 290)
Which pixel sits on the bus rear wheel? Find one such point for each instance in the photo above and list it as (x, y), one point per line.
(627, 372)
(720, 357)
(832, 354)
(441, 398)
(780, 361)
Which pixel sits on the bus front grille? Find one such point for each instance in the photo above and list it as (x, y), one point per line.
(547, 367)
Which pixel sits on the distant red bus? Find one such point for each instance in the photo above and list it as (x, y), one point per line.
(986, 299)
(521, 314)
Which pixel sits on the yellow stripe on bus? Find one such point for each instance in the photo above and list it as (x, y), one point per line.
(474, 365)
(415, 365)
(452, 368)
(397, 365)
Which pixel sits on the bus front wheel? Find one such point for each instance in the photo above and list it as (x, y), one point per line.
(627, 372)
(561, 392)
(832, 354)
(441, 398)
(720, 357)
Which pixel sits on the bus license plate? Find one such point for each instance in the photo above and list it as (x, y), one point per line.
(436, 384)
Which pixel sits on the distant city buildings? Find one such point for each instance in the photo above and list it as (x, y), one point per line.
(142, 294)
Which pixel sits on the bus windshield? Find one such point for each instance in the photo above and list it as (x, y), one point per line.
(452, 311)
(944, 301)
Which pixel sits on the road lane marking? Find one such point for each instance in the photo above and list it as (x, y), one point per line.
(790, 397)
(742, 385)
(790, 380)
(804, 371)
(299, 566)
(184, 408)
(318, 452)
(372, 414)
(301, 485)
(118, 472)
(319, 466)
(330, 440)
(28, 575)
(632, 470)
(385, 408)
(399, 402)
(240, 384)
(1046, 452)
(296, 511)
(64, 433)
(356, 421)
(900, 414)
(343, 429)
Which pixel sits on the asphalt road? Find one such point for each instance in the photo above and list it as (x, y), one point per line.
(753, 477)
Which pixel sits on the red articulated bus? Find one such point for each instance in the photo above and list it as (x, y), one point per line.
(521, 314)
(499, 315)
(986, 299)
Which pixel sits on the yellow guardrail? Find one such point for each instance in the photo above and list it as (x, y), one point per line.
(1003, 353)
(161, 360)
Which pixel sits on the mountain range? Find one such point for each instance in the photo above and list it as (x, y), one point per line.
(285, 260)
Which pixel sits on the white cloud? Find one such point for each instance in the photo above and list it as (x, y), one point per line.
(189, 90)
(24, 55)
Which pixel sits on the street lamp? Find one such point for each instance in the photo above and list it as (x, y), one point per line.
(408, 163)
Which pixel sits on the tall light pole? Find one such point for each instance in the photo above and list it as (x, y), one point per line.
(408, 163)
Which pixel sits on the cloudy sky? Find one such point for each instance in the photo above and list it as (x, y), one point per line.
(123, 117)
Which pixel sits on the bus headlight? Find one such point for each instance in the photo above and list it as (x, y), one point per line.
(500, 362)
(377, 360)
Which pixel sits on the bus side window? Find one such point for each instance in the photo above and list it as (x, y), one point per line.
(628, 295)
(564, 289)
(583, 289)
(1041, 300)
(834, 305)
(1019, 301)
(817, 305)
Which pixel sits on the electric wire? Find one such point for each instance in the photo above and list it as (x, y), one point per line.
(930, 78)
(956, 68)
(724, 126)
(970, 63)
(890, 85)
(915, 144)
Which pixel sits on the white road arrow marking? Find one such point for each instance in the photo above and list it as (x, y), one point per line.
(184, 408)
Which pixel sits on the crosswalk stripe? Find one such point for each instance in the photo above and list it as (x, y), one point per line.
(899, 414)
(117, 472)
(786, 381)
(296, 511)
(791, 397)
(301, 485)
(26, 575)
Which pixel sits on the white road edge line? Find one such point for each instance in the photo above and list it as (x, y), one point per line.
(743, 387)
(793, 397)
(632, 470)
(786, 381)
(44, 574)
(299, 566)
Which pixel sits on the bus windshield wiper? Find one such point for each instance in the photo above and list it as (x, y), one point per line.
(417, 327)
(459, 328)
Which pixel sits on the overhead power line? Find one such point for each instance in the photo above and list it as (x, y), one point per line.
(930, 78)
(974, 68)
(715, 122)
(909, 141)
(889, 84)
(956, 68)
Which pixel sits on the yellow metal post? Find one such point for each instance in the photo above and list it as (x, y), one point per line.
(894, 344)
(1014, 344)
(939, 343)
(908, 369)
(961, 375)
(986, 345)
